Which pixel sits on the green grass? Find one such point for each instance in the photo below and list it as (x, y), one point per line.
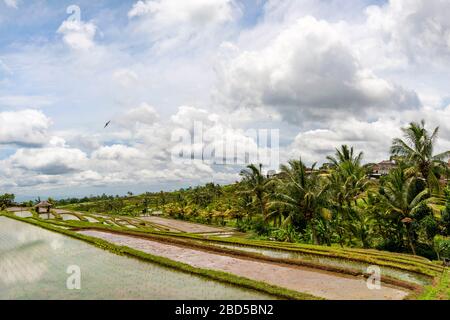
(438, 291)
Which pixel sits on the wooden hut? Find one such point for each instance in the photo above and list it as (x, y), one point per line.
(43, 207)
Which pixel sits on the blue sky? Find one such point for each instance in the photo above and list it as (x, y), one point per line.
(322, 72)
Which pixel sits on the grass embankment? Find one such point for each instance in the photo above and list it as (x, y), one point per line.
(440, 290)
(222, 277)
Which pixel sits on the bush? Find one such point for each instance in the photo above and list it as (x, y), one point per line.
(261, 228)
(285, 234)
(425, 250)
(442, 246)
(391, 245)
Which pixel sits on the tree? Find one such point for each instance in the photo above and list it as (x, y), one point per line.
(302, 192)
(400, 203)
(445, 221)
(345, 154)
(347, 182)
(257, 185)
(6, 200)
(417, 150)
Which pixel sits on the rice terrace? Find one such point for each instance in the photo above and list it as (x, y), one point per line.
(224, 158)
(338, 232)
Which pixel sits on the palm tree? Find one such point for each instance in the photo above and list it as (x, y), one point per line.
(345, 154)
(417, 151)
(302, 192)
(347, 183)
(257, 185)
(400, 202)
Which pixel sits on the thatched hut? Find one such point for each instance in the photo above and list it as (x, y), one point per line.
(43, 207)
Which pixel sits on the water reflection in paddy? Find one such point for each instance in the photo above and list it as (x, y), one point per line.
(34, 263)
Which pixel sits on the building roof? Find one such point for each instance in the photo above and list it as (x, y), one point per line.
(387, 162)
(43, 204)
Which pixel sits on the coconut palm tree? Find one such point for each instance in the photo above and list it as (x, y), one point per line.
(400, 202)
(416, 149)
(302, 192)
(348, 182)
(257, 185)
(345, 154)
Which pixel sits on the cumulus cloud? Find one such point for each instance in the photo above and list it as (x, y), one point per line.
(117, 152)
(186, 116)
(144, 114)
(77, 34)
(26, 127)
(419, 29)
(49, 160)
(374, 138)
(324, 72)
(309, 70)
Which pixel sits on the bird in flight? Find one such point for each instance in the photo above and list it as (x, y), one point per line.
(107, 124)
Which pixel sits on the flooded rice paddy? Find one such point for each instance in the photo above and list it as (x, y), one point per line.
(341, 263)
(318, 283)
(34, 264)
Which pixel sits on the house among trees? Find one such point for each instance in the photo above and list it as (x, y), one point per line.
(43, 207)
(383, 168)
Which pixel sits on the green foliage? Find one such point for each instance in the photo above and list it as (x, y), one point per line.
(6, 200)
(442, 246)
(446, 213)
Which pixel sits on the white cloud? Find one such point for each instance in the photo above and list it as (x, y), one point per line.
(4, 69)
(16, 101)
(78, 35)
(171, 23)
(117, 153)
(417, 29)
(49, 160)
(309, 70)
(125, 77)
(324, 72)
(187, 115)
(12, 3)
(144, 114)
(26, 127)
(373, 138)
(170, 13)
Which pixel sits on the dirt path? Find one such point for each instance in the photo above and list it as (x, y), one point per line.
(184, 226)
(318, 283)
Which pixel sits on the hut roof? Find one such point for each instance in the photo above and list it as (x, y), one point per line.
(43, 204)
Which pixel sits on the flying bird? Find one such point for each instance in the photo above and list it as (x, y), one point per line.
(107, 124)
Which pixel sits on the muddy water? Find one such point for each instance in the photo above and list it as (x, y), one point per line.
(34, 264)
(318, 283)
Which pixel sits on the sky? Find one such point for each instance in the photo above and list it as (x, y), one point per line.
(321, 73)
